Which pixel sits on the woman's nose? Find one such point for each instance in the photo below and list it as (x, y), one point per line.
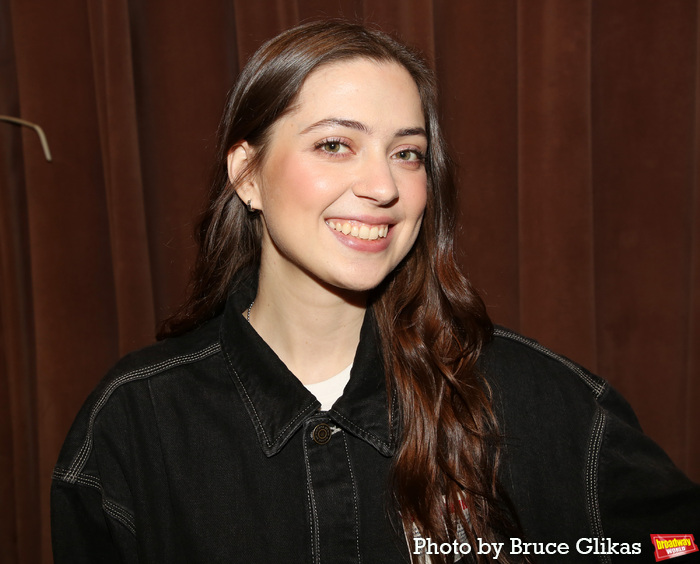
(376, 181)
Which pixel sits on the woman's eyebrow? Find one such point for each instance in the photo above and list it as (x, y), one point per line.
(351, 123)
(409, 131)
(359, 126)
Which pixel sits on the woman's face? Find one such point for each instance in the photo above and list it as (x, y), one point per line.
(343, 186)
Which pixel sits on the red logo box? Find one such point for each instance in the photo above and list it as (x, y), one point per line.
(672, 546)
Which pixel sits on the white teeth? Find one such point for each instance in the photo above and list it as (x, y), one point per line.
(360, 231)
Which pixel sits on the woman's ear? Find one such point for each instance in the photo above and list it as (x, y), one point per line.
(239, 174)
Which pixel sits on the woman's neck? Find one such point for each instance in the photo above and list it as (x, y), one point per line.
(313, 329)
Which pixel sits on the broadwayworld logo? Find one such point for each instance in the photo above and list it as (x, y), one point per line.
(671, 546)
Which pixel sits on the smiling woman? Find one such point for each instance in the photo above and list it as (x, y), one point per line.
(333, 390)
(363, 172)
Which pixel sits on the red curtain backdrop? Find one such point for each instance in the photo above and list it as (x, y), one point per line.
(574, 122)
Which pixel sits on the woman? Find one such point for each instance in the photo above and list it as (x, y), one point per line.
(333, 390)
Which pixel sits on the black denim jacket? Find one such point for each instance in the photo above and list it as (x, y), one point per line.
(205, 449)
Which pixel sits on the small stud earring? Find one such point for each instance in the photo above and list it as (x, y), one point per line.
(250, 207)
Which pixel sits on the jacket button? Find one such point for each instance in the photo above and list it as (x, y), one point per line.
(321, 434)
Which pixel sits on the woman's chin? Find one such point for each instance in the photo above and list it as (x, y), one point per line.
(354, 285)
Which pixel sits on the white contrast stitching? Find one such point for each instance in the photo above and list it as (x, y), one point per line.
(315, 541)
(311, 519)
(354, 499)
(119, 514)
(597, 387)
(299, 415)
(117, 510)
(360, 430)
(84, 452)
(112, 508)
(394, 415)
(248, 400)
(309, 408)
(592, 462)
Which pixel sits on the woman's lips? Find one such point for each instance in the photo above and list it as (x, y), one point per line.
(358, 229)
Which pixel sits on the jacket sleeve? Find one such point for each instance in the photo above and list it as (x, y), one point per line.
(91, 515)
(640, 491)
(79, 529)
(578, 467)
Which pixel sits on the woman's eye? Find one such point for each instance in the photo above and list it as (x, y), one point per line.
(410, 155)
(332, 146)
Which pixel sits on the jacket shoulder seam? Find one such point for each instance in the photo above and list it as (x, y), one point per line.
(596, 386)
(142, 373)
(115, 510)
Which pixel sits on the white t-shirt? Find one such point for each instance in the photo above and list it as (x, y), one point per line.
(328, 391)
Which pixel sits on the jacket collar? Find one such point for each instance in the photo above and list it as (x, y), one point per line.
(278, 403)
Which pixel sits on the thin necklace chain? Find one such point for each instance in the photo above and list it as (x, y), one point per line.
(249, 308)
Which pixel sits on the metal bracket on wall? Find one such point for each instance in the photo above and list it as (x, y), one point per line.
(35, 127)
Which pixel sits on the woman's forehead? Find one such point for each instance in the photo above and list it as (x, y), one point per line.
(361, 89)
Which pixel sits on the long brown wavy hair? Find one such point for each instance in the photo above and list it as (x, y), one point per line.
(432, 324)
